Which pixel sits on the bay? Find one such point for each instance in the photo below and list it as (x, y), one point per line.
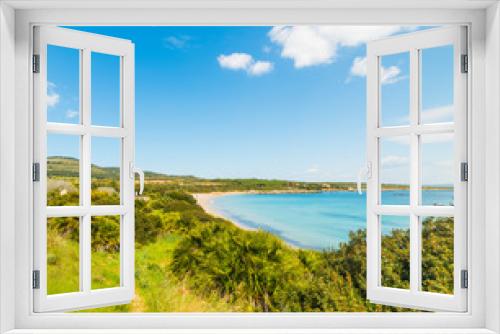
(314, 220)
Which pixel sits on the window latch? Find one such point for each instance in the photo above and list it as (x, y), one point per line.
(465, 63)
(36, 279)
(36, 172)
(464, 279)
(36, 63)
(464, 171)
(134, 170)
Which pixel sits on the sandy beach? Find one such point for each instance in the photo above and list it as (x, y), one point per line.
(206, 201)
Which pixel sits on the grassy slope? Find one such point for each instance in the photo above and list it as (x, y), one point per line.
(157, 290)
(335, 281)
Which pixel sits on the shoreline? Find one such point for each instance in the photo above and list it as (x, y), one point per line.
(206, 201)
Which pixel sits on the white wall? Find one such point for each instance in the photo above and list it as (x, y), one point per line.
(7, 133)
(7, 176)
(493, 166)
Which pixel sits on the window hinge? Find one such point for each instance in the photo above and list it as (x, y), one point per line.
(464, 171)
(464, 280)
(36, 172)
(36, 63)
(465, 63)
(36, 279)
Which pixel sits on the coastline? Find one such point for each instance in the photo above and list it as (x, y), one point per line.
(206, 201)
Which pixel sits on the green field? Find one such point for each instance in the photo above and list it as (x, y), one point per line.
(189, 261)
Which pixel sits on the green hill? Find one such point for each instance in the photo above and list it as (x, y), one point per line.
(58, 166)
(66, 167)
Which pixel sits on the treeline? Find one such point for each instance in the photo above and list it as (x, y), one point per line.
(66, 168)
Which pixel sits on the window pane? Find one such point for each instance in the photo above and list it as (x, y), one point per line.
(63, 170)
(437, 254)
(63, 253)
(437, 169)
(394, 89)
(436, 85)
(63, 84)
(395, 251)
(105, 89)
(106, 163)
(394, 169)
(105, 256)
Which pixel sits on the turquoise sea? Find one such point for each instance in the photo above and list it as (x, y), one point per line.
(315, 220)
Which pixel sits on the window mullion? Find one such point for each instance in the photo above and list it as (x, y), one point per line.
(414, 173)
(85, 186)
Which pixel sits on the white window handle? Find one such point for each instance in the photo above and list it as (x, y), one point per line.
(364, 172)
(134, 170)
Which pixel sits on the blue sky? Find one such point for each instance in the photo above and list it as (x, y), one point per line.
(282, 102)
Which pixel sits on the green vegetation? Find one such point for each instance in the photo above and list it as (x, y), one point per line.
(190, 261)
(106, 178)
(437, 258)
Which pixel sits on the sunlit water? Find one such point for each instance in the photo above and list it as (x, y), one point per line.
(314, 220)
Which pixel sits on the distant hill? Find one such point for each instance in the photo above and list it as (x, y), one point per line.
(61, 166)
(69, 167)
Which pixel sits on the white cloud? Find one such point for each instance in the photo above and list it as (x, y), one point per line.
(305, 45)
(52, 99)
(435, 115)
(359, 67)
(245, 62)
(314, 45)
(260, 67)
(388, 75)
(52, 96)
(235, 61)
(176, 42)
(392, 161)
(70, 113)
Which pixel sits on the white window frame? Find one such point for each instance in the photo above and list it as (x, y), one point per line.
(86, 43)
(15, 149)
(413, 43)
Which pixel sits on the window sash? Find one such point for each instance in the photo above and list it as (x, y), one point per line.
(86, 297)
(414, 297)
